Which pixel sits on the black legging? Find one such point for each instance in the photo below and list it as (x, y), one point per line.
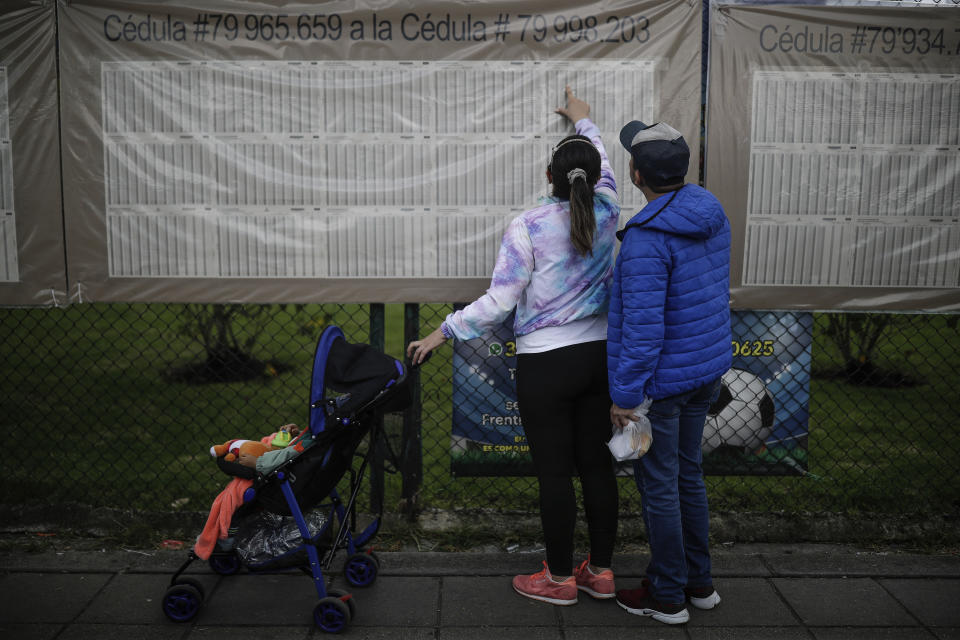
(565, 408)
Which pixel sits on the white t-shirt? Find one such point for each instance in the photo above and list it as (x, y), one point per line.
(589, 329)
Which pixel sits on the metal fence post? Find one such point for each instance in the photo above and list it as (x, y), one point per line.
(377, 341)
(411, 460)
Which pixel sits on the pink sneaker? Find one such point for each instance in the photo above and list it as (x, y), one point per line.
(599, 585)
(541, 586)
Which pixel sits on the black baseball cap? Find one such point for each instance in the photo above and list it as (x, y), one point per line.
(659, 152)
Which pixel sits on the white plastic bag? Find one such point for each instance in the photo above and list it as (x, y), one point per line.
(634, 440)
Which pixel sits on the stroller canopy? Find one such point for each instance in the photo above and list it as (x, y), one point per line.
(358, 371)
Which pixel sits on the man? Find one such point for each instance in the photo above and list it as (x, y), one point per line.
(669, 341)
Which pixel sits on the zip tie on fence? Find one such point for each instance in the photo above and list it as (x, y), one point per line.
(790, 462)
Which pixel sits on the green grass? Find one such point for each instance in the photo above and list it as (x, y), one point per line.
(91, 380)
(93, 417)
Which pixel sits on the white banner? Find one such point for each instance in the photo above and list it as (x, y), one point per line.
(32, 264)
(340, 153)
(834, 144)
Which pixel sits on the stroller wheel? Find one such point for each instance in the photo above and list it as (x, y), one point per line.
(344, 596)
(181, 602)
(360, 569)
(193, 583)
(226, 564)
(331, 614)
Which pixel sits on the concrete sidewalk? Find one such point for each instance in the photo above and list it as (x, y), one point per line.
(768, 591)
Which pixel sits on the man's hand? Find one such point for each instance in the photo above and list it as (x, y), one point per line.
(620, 417)
(576, 108)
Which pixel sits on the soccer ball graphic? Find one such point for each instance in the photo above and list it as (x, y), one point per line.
(742, 416)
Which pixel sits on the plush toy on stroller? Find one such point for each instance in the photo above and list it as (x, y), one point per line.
(289, 506)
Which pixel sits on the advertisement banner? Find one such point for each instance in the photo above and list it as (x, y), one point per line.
(760, 422)
(487, 435)
(833, 144)
(341, 152)
(32, 265)
(757, 426)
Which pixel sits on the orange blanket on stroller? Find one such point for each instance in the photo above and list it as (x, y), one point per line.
(221, 512)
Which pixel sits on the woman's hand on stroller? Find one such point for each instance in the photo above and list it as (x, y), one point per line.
(419, 350)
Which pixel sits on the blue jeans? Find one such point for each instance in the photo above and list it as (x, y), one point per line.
(670, 479)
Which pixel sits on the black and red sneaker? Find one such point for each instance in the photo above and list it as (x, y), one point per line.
(641, 603)
(702, 597)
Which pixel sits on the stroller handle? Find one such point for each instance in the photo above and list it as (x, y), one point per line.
(411, 365)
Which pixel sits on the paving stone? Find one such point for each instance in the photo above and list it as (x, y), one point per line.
(169, 631)
(491, 602)
(828, 602)
(872, 633)
(437, 563)
(853, 563)
(589, 612)
(381, 633)
(643, 628)
(630, 567)
(113, 596)
(299, 632)
(135, 599)
(725, 563)
(501, 633)
(935, 602)
(748, 633)
(744, 602)
(259, 600)
(740, 565)
(29, 631)
(398, 602)
(47, 597)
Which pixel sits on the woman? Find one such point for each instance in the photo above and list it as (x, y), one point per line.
(554, 268)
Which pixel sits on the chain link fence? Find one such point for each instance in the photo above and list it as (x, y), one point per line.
(882, 414)
(117, 405)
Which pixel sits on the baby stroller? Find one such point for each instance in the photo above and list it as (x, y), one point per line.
(287, 517)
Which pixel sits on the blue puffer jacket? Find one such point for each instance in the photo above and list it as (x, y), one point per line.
(669, 319)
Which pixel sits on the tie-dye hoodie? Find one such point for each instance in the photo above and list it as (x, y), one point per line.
(538, 270)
